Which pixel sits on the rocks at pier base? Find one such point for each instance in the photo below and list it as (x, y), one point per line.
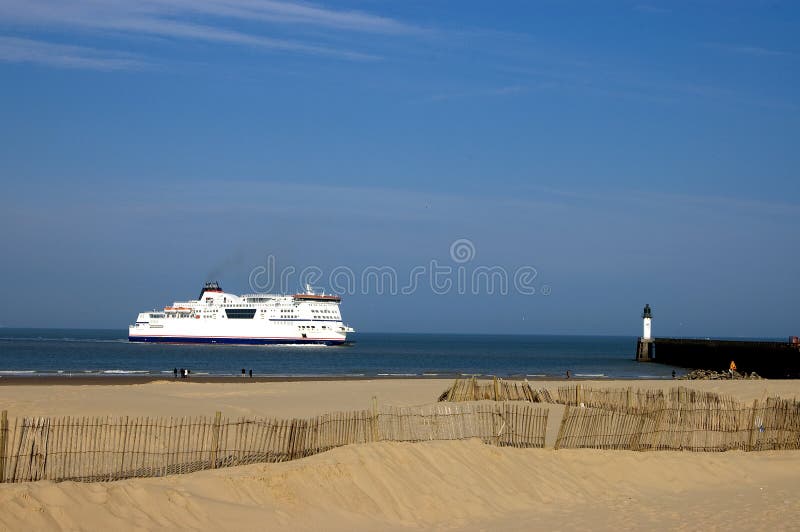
(711, 375)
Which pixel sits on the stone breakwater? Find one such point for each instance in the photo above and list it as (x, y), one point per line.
(711, 375)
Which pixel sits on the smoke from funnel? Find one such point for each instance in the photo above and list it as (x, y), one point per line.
(237, 259)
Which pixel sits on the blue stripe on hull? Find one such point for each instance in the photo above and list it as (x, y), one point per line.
(239, 341)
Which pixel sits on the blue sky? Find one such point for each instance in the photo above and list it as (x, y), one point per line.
(630, 152)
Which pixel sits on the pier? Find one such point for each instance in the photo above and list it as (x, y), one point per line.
(770, 359)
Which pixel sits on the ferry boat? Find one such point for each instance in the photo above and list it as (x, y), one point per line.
(217, 317)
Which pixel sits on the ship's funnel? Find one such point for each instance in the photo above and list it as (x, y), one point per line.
(210, 286)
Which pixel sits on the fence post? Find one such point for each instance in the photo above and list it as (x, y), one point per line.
(658, 420)
(215, 439)
(3, 443)
(578, 395)
(561, 428)
(452, 391)
(636, 440)
(124, 445)
(375, 429)
(752, 435)
(499, 410)
(496, 389)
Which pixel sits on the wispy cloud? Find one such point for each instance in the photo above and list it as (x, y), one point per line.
(629, 197)
(507, 90)
(626, 83)
(276, 25)
(99, 13)
(189, 31)
(16, 50)
(290, 12)
(655, 10)
(510, 89)
(745, 49)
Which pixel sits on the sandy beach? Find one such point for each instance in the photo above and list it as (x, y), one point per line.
(397, 486)
(288, 398)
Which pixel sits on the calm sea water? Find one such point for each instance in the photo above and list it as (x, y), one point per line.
(63, 351)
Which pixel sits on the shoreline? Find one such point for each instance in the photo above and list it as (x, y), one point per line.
(115, 380)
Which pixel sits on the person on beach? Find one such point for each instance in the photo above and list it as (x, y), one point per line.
(182, 373)
(568, 374)
(175, 372)
(251, 373)
(242, 372)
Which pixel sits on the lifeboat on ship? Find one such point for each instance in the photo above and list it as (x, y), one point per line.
(309, 295)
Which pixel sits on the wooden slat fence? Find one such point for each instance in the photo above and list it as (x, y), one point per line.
(684, 395)
(684, 427)
(610, 398)
(625, 399)
(777, 425)
(499, 423)
(680, 419)
(495, 390)
(112, 448)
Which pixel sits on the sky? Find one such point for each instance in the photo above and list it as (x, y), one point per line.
(515, 167)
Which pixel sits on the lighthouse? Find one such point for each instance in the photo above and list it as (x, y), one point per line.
(647, 320)
(645, 347)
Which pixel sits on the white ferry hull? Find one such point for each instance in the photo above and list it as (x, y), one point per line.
(217, 317)
(239, 340)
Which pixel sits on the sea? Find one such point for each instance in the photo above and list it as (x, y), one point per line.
(42, 352)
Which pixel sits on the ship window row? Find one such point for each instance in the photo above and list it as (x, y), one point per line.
(240, 313)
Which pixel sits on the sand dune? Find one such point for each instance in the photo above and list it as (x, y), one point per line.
(435, 485)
